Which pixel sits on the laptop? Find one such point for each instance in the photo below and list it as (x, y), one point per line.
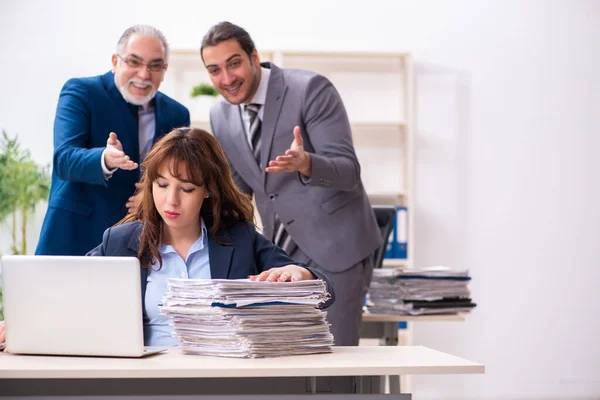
(73, 305)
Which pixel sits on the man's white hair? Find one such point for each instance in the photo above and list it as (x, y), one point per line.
(143, 30)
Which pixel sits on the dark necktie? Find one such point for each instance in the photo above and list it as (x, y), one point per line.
(252, 110)
(280, 235)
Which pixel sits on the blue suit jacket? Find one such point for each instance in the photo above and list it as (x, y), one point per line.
(82, 204)
(243, 252)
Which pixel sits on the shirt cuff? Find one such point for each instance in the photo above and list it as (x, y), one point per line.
(304, 180)
(107, 173)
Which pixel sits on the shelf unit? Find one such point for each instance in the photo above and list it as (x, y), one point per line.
(378, 92)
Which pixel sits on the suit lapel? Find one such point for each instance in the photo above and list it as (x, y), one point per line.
(134, 245)
(160, 117)
(240, 139)
(274, 101)
(134, 240)
(220, 259)
(126, 112)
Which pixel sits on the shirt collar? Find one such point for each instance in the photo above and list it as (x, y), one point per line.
(198, 245)
(260, 96)
(145, 108)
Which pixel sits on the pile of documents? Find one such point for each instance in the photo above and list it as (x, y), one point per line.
(243, 318)
(418, 291)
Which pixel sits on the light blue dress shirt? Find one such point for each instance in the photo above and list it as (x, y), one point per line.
(157, 330)
(146, 128)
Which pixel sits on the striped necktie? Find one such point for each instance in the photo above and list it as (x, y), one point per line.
(252, 110)
(280, 235)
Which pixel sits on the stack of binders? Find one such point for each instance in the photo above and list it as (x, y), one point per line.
(242, 318)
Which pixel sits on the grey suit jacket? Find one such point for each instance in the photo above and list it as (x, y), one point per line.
(330, 218)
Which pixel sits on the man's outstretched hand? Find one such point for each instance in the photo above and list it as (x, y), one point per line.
(115, 157)
(295, 158)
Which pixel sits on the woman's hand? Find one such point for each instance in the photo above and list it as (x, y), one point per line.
(288, 273)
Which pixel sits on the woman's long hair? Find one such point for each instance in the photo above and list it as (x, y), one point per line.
(204, 161)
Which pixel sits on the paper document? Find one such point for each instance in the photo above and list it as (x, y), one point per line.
(243, 318)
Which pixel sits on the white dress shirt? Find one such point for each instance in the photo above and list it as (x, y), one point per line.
(260, 97)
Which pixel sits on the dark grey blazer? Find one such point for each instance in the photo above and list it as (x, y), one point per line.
(248, 253)
(330, 219)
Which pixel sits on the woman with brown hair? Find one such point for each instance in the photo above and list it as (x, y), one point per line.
(193, 222)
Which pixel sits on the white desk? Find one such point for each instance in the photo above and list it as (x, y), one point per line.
(349, 370)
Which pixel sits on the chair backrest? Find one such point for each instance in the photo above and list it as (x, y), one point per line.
(385, 220)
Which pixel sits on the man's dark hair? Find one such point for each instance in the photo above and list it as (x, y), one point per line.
(224, 31)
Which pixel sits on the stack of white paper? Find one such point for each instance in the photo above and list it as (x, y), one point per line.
(242, 318)
(432, 290)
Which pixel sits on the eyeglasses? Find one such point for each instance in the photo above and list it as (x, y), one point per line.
(132, 63)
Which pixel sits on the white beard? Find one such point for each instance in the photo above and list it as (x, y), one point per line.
(135, 100)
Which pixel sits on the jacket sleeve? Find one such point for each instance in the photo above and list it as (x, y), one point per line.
(72, 160)
(268, 255)
(186, 117)
(100, 250)
(328, 137)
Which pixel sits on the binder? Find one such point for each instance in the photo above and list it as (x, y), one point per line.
(401, 233)
(398, 241)
(389, 249)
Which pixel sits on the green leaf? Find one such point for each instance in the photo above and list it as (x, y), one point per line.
(204, 89)
(23, 183)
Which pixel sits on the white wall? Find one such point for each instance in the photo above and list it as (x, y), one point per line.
(511, 192)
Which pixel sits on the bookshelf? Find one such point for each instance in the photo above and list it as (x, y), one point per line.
(378, 92)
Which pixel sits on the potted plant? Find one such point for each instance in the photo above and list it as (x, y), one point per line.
(23, 184)
(204, 89)
(205, 96)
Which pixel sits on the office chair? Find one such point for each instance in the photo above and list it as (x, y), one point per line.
(385, 220)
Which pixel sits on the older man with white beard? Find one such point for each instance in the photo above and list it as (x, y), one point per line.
(104, 127)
